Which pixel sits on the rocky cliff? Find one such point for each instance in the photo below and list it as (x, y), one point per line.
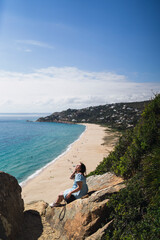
(81, 219)
(11, 207)
(84, 218)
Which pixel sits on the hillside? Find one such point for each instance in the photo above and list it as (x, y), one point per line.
(117, 115)
(136, 158)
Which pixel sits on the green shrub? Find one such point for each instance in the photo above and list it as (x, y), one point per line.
(126, 159)
(136, 158)
(136, 214)
(110, 163)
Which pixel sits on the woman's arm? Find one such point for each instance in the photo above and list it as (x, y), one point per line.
(73, 175)
(75, 190)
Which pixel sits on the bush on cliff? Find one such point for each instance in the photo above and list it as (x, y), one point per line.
(136, 158)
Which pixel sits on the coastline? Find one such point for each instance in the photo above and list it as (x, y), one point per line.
(23, 183)
(55, 177)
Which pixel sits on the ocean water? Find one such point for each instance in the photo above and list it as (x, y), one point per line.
(28, 147)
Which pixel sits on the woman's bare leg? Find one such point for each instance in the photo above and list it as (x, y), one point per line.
(58, 201)
(60, 198)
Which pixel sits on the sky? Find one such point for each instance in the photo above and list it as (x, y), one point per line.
(59, 54)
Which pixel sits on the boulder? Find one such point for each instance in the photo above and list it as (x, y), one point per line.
(83, 217)
(11, 207)
(39, 206)
(97, 182)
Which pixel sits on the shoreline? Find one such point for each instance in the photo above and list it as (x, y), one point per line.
(39, 171)
(89, 148)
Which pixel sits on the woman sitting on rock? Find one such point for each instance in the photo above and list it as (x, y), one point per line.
(79, 188)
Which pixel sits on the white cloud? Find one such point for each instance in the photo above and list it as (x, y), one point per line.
(55, 89)
(28, 50)
(34, 43)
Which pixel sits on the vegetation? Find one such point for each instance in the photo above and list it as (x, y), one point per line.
(136, 158)
(118, 115)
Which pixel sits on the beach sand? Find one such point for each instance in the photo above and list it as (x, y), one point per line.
(89, 149)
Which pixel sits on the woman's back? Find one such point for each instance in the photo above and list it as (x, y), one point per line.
(80, 178)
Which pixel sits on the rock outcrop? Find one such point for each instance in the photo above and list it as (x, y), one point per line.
(98, 182)
(81, 219)
(84, 217)
(11, 207)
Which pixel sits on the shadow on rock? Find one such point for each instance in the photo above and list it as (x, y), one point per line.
(2, 231)
(32, 226)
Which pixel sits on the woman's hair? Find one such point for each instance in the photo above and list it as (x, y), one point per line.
(83, 168)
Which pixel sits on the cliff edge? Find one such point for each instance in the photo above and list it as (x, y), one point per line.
(81, 219)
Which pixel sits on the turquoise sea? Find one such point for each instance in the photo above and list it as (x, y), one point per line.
(28, 147)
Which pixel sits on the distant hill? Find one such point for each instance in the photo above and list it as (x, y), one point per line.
(117, 115)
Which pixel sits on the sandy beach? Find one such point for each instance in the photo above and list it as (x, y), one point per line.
(89, 149)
